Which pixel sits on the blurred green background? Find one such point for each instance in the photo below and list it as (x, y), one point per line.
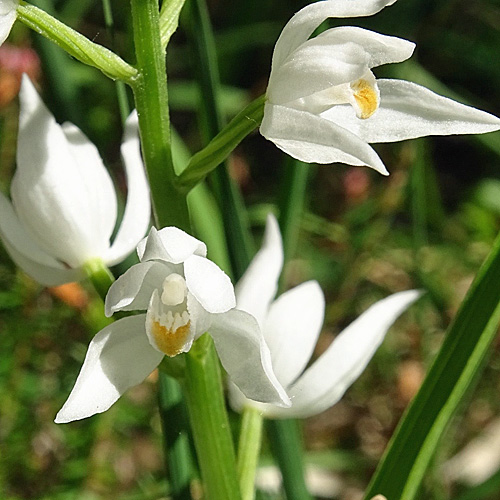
(363, 236)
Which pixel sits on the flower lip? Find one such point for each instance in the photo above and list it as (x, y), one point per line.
(366, 98)
(168, 326)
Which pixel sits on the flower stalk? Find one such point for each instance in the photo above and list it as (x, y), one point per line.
(99, 275)
(202, 382)
(249, 450)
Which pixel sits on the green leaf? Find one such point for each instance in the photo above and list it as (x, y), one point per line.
(169, 19)
(222, 145)
(456, 367)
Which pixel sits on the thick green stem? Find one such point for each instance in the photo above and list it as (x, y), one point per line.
(169, 206)
(151, 100)
(228, 196)
(286, 446)
(75, 43)
(249, 450)
(209, 423)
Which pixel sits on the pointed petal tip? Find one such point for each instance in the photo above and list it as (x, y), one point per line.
(62, 419)
(380, 168)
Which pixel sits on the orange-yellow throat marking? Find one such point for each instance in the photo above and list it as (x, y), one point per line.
(366, 97)
(168, 341)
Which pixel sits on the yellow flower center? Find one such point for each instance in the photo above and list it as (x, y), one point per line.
(366, 98)
(168, 340)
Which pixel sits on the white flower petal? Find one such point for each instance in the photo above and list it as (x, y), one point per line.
(48, 190)
(304, 22)
(133, 289)
(317, 65)
(258, 286)
(170, 244)
(201, 320)
(26, 253)
(13, 232)
(137, 213)
(45, 274)
(245, 357)
(314, 139)
(292, 327)
(97, 184)
(326, 381)
(119, 357)
(209, 284)
(336, 56)
(408, 110)
(7, 17)
(382, 49)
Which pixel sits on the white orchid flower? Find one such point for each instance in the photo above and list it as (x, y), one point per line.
(64, 209)
(7, 17)
(184, 295)
(291, 325)
(325, 105)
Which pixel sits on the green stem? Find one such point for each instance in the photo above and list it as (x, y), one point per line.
(286, 446)
(209, 422)
(151, 100)
(75, 43)
(99, 275)
(228, 196)
(249, 450)
(169, 206)
(203, 384)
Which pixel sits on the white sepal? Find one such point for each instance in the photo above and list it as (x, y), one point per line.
(119, 357)
(246, 358)
(327, 379)
(258, 286)
(209, 284)
(136, 218)
(292, 328)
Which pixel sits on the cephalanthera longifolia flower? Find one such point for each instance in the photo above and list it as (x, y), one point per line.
(184, 295)
(7, 17)
(325, 105)
(291, 325)
(64, 207)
